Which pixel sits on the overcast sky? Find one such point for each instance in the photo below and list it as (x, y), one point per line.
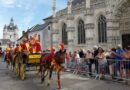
(26, 13)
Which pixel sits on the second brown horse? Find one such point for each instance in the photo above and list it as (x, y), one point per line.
(52, 63)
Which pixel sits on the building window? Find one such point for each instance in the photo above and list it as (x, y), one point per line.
(64, 34)
(102, 31)
(39, 38)
(48, 27)
(81, 33)
(10, 36)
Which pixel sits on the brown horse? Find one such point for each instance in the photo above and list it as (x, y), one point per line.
(53, 64)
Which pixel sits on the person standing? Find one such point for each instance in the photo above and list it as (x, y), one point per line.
(127, 63)
(95, 53)
(102, 62)
(77, 60)
(118, 65)
(89, 60)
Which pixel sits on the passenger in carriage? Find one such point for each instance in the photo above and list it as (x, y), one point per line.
(35, 46)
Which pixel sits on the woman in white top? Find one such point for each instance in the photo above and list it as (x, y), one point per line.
(77, 57)
(77, 60)
(102, 61)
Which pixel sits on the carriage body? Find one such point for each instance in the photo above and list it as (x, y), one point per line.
(21, 63)
(34, 59)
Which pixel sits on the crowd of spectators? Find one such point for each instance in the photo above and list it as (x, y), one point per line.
(114, 62)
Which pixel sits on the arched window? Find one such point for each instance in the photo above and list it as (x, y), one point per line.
(81, 33)
(64, 34)
(102, 31)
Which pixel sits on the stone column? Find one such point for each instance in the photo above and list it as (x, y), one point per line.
(55, 33)
(113, 33)
(70, 28)
(89, 27)
(55, 30)
(87, 3)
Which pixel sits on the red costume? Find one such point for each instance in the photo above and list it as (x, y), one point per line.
(23, 47)
(50, 56)
(35, 46)
(16, 48)
(62, 46)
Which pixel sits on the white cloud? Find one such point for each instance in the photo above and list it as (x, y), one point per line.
(27, 20)
(28, 9)
(8, 3)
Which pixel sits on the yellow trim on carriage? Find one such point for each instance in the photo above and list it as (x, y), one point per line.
(34, 56)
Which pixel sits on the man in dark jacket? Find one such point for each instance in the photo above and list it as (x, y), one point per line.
(95, 53)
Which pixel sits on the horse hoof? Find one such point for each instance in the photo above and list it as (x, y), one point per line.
(59, 88)
(42, 80)
(48, 84)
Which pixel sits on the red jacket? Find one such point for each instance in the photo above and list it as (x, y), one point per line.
(23, 47)
(16, 49)
(35, 48)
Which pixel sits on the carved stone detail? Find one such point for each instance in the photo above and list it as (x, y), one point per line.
(96, 4)
(70, 29)
(71, 41)
(54, 20)
(112, 28)
(70, 17)
(90, 39)
(55, 32)
(89, 12)
(89, 26)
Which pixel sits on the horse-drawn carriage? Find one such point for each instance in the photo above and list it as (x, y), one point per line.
(22, 61)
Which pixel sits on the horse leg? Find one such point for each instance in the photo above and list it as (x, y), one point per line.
(43, 70)
(59, 82)
(49, 79)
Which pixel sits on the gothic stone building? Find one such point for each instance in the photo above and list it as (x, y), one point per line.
(10, 32)
(85, 23)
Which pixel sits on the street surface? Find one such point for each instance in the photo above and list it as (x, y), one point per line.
(9, 81)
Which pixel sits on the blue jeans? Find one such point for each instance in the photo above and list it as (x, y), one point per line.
(117, 67)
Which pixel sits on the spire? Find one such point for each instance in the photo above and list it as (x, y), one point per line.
(11, 20)
(87, 3)
(69, 6)
(54, 8)
(5, 26)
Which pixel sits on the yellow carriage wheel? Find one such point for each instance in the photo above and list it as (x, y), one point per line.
(22, 72)
(16, 67)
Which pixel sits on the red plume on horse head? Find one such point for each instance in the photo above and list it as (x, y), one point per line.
(62, 46)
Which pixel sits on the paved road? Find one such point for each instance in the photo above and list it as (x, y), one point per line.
(9, 81)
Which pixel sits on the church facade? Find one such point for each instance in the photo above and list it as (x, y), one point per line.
(85, 23)
(10, 32)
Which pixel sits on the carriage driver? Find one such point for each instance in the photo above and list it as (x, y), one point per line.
(24, 48)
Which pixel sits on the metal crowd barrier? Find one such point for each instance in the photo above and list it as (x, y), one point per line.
(114, 69)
